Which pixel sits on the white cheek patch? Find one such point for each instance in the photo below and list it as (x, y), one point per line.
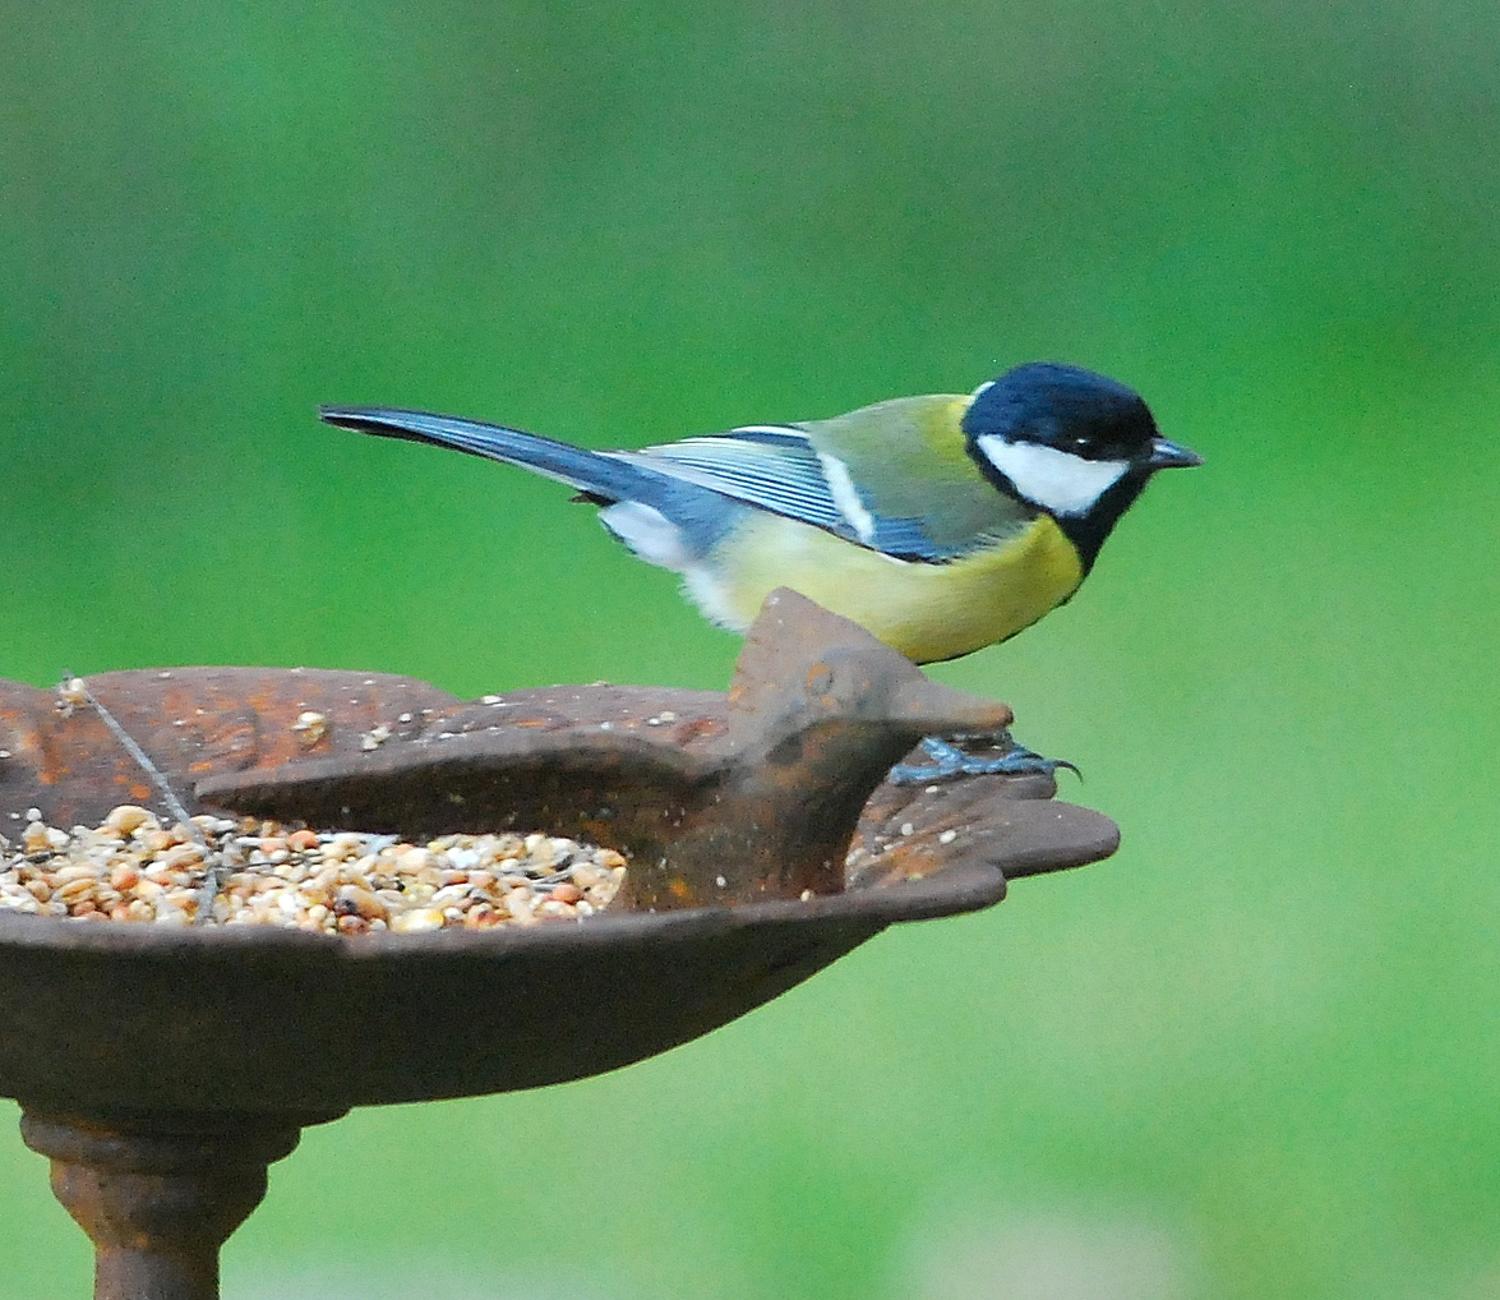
(846, 497)
(1055, 480)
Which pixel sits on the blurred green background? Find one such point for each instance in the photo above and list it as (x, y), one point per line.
(1257, 1054)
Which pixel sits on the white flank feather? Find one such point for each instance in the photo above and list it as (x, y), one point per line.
(649, 534)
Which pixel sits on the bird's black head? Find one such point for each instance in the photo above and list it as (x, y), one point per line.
(1064, 407)
(1075, 444)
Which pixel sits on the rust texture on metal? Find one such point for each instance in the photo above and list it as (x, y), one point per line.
(1009, 821)
(159, 1198)
(732, 808)
(193, 722)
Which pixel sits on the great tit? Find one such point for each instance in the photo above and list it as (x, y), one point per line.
(943, 523)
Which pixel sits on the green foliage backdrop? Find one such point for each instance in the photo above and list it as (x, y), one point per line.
(1254, 1056)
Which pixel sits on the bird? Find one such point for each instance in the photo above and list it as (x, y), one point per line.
(941, 523)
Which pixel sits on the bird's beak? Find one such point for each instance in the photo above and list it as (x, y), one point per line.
(1168, 455)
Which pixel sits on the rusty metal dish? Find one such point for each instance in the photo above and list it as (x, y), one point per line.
(737, 813)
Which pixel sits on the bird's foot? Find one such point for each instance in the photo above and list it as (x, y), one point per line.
(950, 760)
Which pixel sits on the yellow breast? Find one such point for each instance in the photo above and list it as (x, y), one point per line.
(927, 611)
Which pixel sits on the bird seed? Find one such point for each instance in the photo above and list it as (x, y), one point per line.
(132, 867)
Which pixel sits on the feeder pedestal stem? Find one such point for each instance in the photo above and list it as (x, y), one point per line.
(159, 1195)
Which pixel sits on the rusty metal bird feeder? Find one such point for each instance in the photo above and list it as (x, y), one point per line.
(159, 1068)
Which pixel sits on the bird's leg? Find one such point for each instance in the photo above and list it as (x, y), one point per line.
(950, 760)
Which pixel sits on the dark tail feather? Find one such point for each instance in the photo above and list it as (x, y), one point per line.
(600, 476)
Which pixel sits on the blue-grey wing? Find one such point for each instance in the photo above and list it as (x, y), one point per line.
(773, 467)
(777, 468)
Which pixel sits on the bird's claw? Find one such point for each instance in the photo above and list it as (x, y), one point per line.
(949, 761)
